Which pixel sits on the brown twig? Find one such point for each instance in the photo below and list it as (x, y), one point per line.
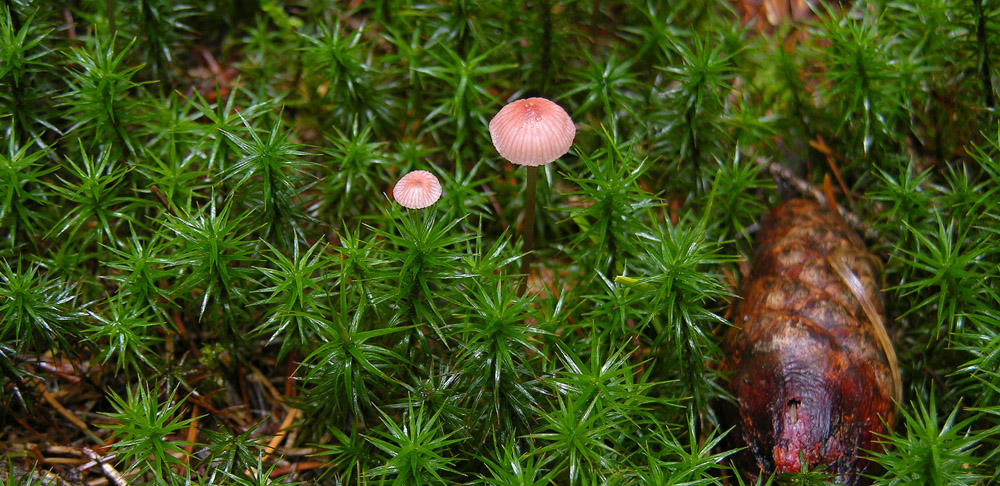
(70, 23)
(282, 432)
(163, 199)
(68, 415)
(192, 433)
(202, 402)
(213, 66)
(272, 445)
(290, 376)
(72, 461)
(33, 450)
(828, 191)
(108, 470)
(296, 467)
(820, 145)
(62, 450)
(28, 428)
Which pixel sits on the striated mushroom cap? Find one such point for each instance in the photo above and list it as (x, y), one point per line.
(417, 190)
(532, 131)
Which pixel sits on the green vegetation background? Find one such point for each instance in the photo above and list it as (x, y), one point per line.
(195, 232)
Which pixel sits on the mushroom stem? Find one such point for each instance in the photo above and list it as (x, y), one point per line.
(531, 132)
(529, 226)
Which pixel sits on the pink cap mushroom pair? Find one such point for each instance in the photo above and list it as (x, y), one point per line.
(530, 132)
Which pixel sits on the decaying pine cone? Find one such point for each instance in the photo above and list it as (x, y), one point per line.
(811, 366)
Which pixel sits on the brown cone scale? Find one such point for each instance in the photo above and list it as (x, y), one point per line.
(809, 361)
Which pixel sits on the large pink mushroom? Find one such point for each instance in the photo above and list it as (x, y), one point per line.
(531, 132)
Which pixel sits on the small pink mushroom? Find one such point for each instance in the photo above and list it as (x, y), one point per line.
(417, 190)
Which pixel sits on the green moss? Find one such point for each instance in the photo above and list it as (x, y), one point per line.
(194, 212)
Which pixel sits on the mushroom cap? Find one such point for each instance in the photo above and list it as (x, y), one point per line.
(532, 131)
(417, 190)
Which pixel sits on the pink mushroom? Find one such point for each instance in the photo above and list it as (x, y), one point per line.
(532, 132)
(417, 190)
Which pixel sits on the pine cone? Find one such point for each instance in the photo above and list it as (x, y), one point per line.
(811, 366)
